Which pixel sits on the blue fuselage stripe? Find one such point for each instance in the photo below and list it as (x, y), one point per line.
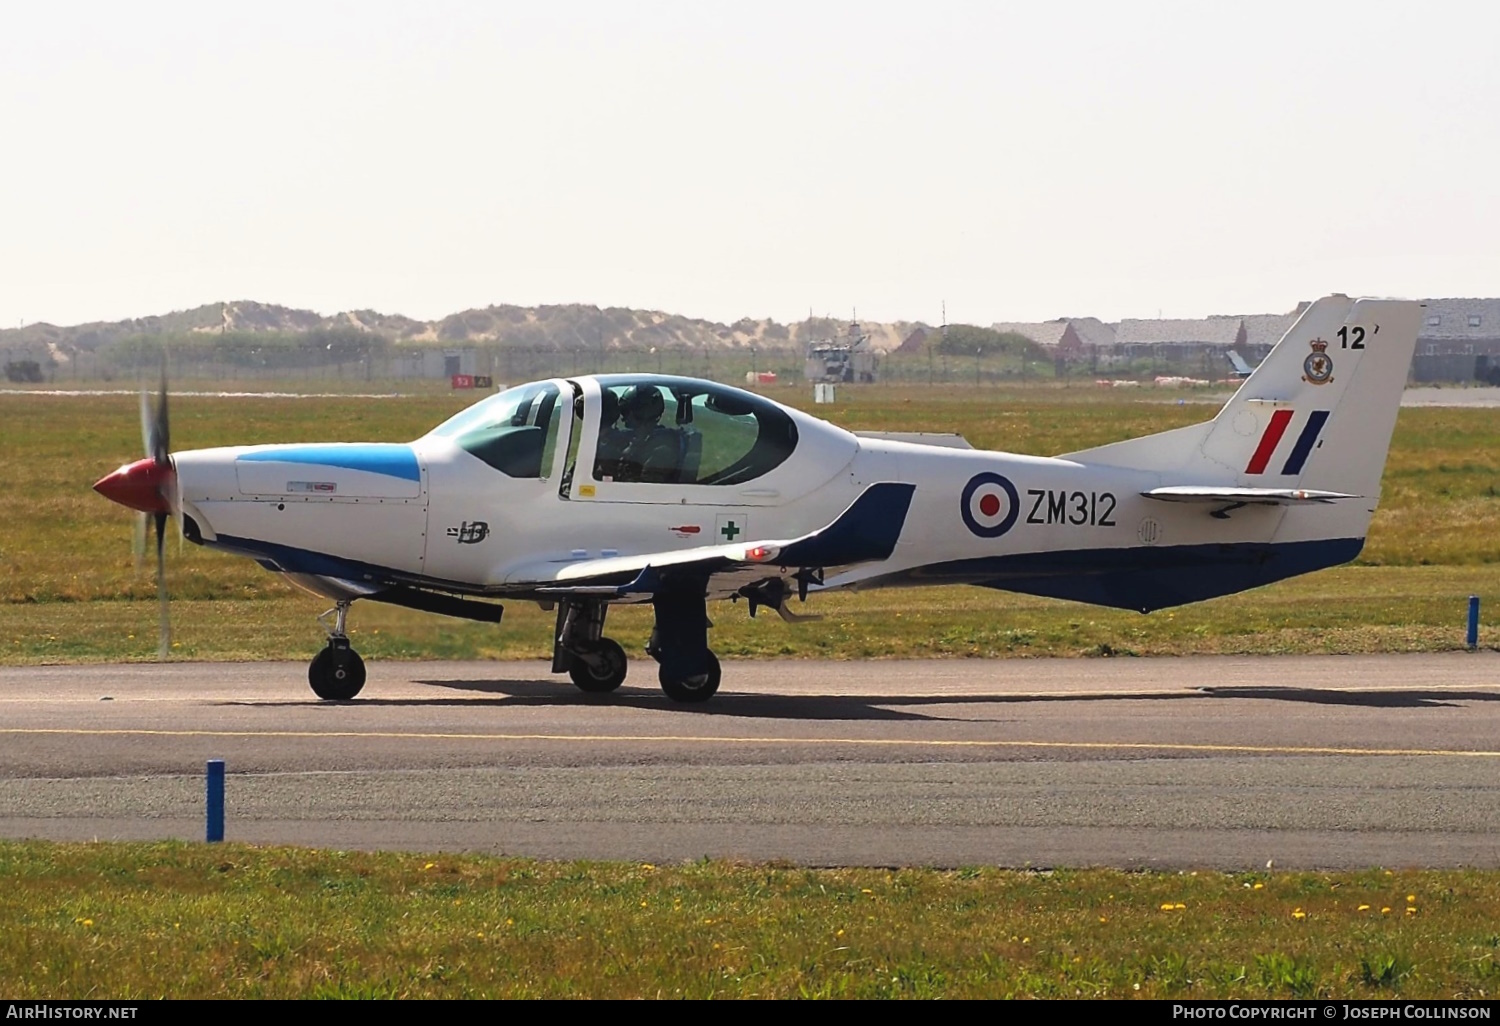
(1305, 442)
(390, 460)
(1139, 577)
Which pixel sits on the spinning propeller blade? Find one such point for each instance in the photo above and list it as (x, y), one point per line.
(150, 486)
(138, 541)
(164, 625)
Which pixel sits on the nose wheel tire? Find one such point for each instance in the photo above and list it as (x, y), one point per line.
(693, 687)
(601, 670)
(336, 674)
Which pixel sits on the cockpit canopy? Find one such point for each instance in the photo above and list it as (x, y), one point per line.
(649, 428)
(684, 431)
(515, 431)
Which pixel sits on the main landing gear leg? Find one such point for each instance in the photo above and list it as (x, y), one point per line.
(595, 663)
(689, 671)
(337, 673)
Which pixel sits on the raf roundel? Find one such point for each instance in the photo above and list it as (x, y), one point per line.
(989, 505)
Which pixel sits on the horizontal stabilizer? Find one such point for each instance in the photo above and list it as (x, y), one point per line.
(1248, 496)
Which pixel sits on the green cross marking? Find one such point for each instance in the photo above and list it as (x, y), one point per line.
(729, 530)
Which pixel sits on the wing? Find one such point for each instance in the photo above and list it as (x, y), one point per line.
(865, 532)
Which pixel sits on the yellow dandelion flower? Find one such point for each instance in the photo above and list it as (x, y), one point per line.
(838, 933)
(1363, 908)
(1385, 910)
(643, 904)
(647, 867)
(428, 866)
(1299, 914)
(1410, 911)
(866, 890)
(1411, 899)
(1259, 886)
(1179, 905)
(1167, 907)
(1103, 919)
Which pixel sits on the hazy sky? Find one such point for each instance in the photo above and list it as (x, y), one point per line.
(1018, 160)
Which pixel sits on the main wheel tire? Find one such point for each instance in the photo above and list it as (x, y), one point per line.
(696, 687)
(336, 674)
(603, 670)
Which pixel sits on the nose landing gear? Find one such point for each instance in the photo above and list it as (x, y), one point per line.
(600, 670)
(596, 664)
(337, 673)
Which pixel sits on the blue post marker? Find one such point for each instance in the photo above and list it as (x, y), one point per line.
(215, 826)
(1473, 638)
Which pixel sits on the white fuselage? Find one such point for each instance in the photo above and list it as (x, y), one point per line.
(440, 516)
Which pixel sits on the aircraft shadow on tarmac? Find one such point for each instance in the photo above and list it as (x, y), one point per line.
(1413, 698)
(558, 694)
(905, 707)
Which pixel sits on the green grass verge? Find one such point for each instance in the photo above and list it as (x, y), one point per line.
(179, 920)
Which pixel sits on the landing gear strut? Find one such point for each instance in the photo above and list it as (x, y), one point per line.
(336, 673)
(679, 642)
(595, 663)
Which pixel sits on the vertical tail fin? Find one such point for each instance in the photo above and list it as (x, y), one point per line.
(1317, 413)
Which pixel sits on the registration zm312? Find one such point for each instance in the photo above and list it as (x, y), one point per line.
(1091, 509)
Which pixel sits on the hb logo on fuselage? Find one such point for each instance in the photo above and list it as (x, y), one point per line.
(989, 505)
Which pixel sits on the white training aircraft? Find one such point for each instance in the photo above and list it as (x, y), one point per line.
(581, 492)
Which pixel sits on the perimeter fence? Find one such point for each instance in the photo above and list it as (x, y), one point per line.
(512, 364)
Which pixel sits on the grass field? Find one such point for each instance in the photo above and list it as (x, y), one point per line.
(70, 589)
(175, 920)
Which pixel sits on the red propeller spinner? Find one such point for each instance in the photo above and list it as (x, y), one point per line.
(145, 485)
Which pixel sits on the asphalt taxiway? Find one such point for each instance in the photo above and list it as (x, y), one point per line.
(1230, 762)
